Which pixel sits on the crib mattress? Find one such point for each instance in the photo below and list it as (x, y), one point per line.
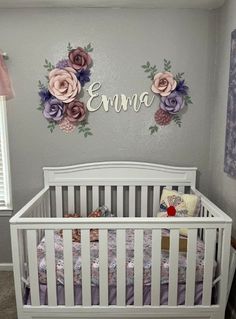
(112, 263)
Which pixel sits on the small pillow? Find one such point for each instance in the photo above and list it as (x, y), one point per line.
(191, 201)
(186, 205)
(94, 233)
(176, 202)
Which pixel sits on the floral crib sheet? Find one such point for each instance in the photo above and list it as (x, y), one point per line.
(94, 259)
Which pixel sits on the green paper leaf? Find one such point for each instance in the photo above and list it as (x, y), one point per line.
(177, 120)
(88, 48)
(40, 85)
(167, 65)
(48, 65)
(51, 126)
(84, 129)
(69, 47)
(153, 129)
(150, 69)
(187, 100)
(179, 76)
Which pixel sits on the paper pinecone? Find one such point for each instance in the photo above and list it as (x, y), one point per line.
(162, 117)
(66, 126)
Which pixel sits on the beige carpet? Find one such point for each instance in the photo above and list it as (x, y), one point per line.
(7, 296)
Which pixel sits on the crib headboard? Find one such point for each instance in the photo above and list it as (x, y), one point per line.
(124, 186)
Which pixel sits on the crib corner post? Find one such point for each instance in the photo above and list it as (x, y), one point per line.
(224, 269)
(17, 270)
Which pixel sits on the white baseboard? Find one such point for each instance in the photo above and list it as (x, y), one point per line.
(6, 267)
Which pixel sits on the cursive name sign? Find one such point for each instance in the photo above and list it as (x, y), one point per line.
(118, 101)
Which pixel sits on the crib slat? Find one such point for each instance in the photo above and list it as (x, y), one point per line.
(71, 199)
(156, 267)
(86, 271)
(119, 201)
(59, 211)
(181, 189)
(210, 237)
(95, 197)
(144, 198)
(48, 202)
(191, 267)
(50, 262)
(173, 267)
(219, 242)
(83, 201)
(68, 267)
(138, 267)
(121, 262)
(33, 267)
(41, 209)
(156, 200)
(103, 268)
(132, 201)
(108, 196)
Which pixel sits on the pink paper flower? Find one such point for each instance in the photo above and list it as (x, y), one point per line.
(163, 83)
(79, 59)
(63, 84)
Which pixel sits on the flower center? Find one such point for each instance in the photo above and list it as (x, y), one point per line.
(75, 110)
(173, 102)
(163, 82)
(78, 59)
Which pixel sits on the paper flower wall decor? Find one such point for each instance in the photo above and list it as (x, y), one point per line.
(60, 97)
(173, 93)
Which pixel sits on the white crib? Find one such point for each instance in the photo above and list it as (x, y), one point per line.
(132, 190)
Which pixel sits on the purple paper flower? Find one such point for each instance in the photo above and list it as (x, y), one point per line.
(45, 95)
(62, 64)
(172, 103)
(54, 109)
(83, 76)
(182, 88)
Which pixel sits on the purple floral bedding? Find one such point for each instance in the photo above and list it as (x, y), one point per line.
(94, 251)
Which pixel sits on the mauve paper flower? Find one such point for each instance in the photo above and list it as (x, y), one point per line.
(172, 103)
(63, 84)
(76, 111)
(83, 76)
(45, 95)
(79, 59)
(163, 83)
(54, 109)
(62, 64)
(182, 88)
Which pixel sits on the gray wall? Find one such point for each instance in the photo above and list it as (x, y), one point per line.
(222, 187)
(123, 40)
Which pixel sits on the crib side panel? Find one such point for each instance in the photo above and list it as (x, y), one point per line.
(122, 229)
